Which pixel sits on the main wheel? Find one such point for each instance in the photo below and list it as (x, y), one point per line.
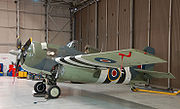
(54, 91)
(40, 87)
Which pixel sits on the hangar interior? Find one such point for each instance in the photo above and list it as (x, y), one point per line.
(106, 25)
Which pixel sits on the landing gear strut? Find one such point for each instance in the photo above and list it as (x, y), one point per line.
(53, 91)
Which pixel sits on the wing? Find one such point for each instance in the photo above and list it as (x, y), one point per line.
(114, 59)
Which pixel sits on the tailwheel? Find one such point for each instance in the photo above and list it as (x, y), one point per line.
(133, 89)
(53, 92)
(40, 87)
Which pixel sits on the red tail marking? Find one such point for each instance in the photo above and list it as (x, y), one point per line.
(139, 66)
(122, 57)
(129, 55)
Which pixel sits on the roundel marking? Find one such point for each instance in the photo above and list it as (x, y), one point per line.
(105, 60)
(114, 74)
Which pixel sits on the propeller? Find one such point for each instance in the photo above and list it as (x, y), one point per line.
(22, 51)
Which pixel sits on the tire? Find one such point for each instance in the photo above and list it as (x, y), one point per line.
(39, 87)
(54, 91)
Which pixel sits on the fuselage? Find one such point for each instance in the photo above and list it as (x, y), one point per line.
(41, 58)
(87, 75)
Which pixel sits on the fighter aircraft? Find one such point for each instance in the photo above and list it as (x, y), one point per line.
(65, 63)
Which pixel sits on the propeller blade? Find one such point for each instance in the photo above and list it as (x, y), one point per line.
(22, 60)
(18, 43)
(17, 67)
(27, 44)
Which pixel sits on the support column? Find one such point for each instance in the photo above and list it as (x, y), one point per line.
(17, 19)
(149, 29)
(131, 23)
(106, 25)
(117, 38)
(71, 24)
(46, 5)
(96, 24)
(149, 22)
(169, 42)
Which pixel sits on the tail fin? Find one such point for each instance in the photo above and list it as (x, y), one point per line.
(148, 50)
(138, 76)
(151, 51)
(143, 72)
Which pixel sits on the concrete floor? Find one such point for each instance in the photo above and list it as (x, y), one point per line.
(85, 96)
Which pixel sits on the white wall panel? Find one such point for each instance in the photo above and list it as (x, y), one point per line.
(11, 36)
(38, 8)
(4, 49)
(61, 38)
(32, 20)
(60, 22)
(3, 18)
(11, 19)
(3, 35)
(36, 35)
(28, 5)
(11, 5)
(37, 22)
(28, 19)
(3, 4)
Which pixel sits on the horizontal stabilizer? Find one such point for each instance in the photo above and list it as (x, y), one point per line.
(138, 82)
(156, 74)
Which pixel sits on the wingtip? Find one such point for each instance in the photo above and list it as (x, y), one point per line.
(13, 52)
(172, 76)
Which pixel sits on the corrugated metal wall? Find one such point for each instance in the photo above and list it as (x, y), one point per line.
(175, 48)
(102, 34)
(150, 26)
(141, 13)
(112, 25)
(124, 24)
(159, 34)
